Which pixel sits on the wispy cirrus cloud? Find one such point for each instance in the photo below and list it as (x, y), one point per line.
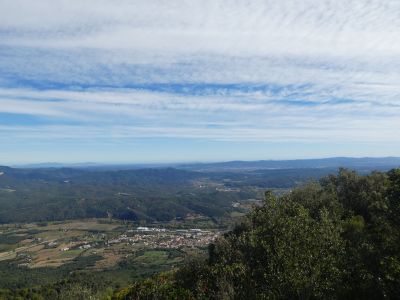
(211, 70)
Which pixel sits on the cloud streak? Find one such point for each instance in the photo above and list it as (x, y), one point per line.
(212, 70)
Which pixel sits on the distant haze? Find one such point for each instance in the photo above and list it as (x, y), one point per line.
(367, 163)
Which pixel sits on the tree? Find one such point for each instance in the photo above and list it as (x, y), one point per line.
(339, 238)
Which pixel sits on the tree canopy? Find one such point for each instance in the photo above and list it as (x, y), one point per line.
(338, 238)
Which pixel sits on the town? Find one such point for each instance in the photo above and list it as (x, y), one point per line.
(152, 238)
(55, 244)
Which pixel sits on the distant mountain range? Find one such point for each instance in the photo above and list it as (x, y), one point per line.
(333, 162)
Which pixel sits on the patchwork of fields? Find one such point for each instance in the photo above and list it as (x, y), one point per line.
(107, 246)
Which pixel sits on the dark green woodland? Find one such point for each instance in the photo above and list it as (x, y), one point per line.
(336, 238)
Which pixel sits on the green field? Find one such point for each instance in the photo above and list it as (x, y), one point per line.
(44, 253)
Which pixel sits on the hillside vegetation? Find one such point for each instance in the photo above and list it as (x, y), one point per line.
(335, 239)
(54, 194)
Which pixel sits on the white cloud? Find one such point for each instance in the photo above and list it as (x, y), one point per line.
(225, 27)
(235, 116)
(263, 69)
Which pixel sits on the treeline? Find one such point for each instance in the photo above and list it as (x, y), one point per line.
(338, 238)
(335, 239)
(75, 287)
(34, 195)
(151, 195)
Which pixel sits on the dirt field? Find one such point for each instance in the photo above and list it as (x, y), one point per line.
(54, 244)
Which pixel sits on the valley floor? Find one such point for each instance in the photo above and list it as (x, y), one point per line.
(101, 245)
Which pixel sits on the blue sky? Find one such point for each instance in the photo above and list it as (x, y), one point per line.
(168, 81)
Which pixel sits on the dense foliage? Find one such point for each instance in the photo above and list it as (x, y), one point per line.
(79, 280)
(148, 195)
(30, 195)
(336, 239)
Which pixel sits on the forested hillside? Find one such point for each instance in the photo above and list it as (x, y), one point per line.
(335, 239)
(150, 194)
(30, 195)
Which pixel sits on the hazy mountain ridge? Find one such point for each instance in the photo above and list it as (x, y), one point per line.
(331, 162)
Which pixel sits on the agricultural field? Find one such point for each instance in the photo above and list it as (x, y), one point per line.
(103, 246)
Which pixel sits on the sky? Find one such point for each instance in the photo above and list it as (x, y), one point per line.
(198, 80)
